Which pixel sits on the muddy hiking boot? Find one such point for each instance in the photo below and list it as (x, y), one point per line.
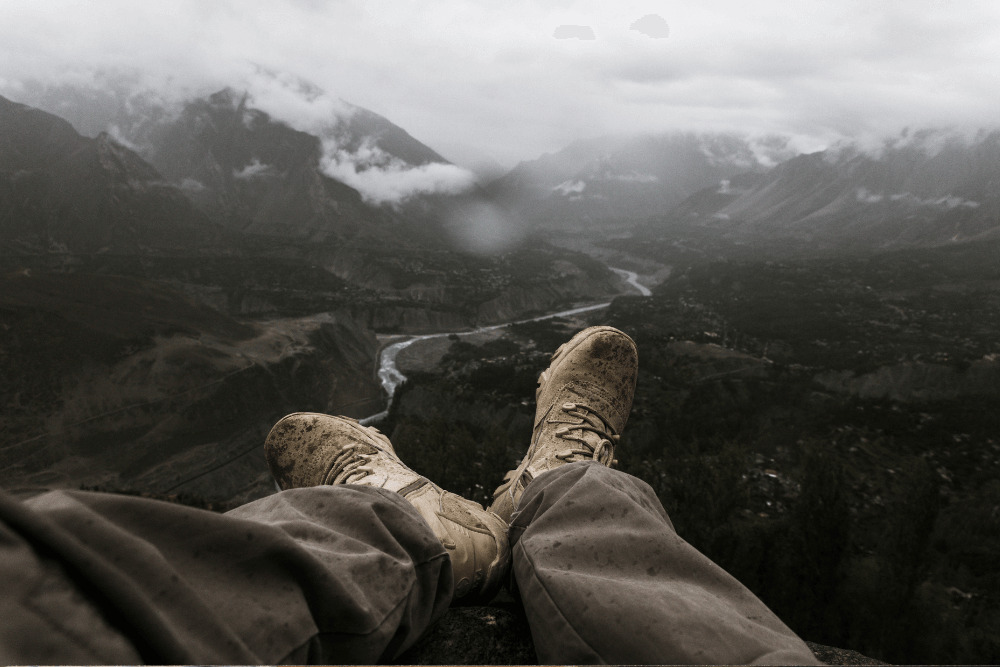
(309, 449)
(581, 406)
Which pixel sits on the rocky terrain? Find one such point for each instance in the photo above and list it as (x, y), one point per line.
(125, 384)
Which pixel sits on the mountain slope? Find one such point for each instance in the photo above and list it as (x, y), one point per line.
(625, 179)
(924, 189)
(362, 127)
(280, 158)
(59, 190)
(251, 173)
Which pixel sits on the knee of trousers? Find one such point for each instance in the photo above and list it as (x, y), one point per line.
(580, 478)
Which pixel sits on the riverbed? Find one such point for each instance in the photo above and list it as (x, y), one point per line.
(392, 377)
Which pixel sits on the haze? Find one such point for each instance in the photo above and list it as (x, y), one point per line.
(506, 82)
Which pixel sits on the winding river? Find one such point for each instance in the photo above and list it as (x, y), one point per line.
(391, 377)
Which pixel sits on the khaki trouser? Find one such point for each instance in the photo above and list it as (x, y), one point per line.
(352, 574)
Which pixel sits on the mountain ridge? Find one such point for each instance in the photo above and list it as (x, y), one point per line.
(627, 179)
(60, 190)
(922, 189)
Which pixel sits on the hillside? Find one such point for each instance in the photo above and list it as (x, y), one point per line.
(124, 383)
(63, 191)
(251, 173)
(919, 189)
(625, 180)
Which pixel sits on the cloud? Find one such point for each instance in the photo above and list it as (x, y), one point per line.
(116, 133)
(632, 177)
(948, 201)
(570, 187)
(192, 185)
(380, 177)
(253, 170)
(294, 101)
(383, 179)
(651, 25)
(931, 141)
(864, 196)
(461, 72)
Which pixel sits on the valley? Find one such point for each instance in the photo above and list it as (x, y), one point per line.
(150, 337)
(164, 375)
(826, 432)
(817, 333)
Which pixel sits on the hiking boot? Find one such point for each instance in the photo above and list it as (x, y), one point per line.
(581, 406)
(308, 449)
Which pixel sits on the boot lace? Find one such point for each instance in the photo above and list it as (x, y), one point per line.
(352, 463)
(349, 465)
(603, 451)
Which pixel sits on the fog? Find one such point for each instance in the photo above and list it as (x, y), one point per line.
(513, 80)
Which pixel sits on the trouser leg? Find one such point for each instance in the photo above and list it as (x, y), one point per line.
(324, 574)
(605, 578)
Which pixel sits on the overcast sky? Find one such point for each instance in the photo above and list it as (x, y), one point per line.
(516, 78)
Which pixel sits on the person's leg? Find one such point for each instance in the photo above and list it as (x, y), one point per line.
(309, 449)
(605, 578)
(326, 574)
(351, 563)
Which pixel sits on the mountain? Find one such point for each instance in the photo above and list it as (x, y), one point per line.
(282, 159)
(484, 165)
(359, 128)
(148, 341)
(266, 190)
(627, 179)
(257, 174)
(62, 191)
(922, 188)
(249, 172)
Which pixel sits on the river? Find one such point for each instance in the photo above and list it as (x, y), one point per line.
(391, 377)
(632, 278)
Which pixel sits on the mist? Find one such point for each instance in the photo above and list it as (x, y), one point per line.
(497, 77)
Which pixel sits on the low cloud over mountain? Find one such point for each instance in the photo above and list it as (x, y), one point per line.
(921, 187)
(492, 75)
(359, 148)
(625, 180)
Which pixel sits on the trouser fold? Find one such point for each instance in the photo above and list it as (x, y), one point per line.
(605, 578)
(326, 574)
